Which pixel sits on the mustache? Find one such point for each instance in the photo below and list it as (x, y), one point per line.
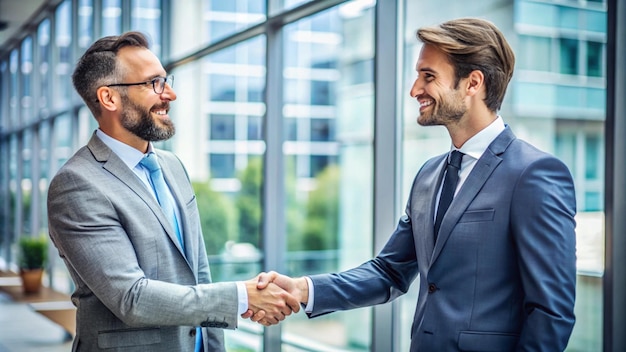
(164, 105)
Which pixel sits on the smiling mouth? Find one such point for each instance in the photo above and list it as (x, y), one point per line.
(425, 104)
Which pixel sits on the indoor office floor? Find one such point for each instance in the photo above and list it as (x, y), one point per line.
(24, 330)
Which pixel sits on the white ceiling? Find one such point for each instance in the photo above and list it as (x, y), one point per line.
(14, 13)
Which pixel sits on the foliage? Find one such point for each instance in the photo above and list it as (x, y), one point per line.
(33, 252)
(217, 217)
(322, 222)
(312, 219)
(248, 203)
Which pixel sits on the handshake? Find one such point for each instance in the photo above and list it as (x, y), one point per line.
(272, 297)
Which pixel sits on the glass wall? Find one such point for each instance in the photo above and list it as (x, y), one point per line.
(277, 103)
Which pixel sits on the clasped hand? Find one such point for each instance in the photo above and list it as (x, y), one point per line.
(272, 297)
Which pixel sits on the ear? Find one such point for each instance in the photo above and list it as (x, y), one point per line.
(108, 98)
(475, 82)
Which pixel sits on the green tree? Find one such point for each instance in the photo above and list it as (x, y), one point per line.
(248, 202)
(322, 222)
(217, 217)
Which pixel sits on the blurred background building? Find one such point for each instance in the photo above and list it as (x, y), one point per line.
(294, 120)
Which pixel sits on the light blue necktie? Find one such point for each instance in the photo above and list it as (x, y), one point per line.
(161, 190)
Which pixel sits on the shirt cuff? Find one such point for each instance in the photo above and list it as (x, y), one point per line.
(309, 305)
(242, 295)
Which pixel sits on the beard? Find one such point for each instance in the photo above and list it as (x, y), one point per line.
(139, 122)
(448, 110)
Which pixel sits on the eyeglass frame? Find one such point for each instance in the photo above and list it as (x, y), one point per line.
(167, 79)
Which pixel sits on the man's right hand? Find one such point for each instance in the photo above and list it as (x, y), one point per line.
(297, 287)
(272, 303)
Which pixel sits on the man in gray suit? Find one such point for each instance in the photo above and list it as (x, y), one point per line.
(140, 269)
(500, 272)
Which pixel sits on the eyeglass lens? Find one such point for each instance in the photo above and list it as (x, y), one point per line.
(158, 84)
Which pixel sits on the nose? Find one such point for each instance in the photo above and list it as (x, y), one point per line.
(416, 89)
(168, 93)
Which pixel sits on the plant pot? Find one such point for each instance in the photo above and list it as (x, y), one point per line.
(31, 280)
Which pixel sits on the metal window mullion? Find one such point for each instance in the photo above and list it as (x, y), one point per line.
(386, 153)
(126, 15)
(614, 280)
(274, 228)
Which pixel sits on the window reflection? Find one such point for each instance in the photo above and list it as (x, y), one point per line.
(64, 59)
(111, 17)
(328, 161)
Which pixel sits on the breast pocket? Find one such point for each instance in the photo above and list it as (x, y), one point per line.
(479, 215)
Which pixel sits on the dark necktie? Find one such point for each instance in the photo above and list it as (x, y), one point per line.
(161, 190)
(449, 187)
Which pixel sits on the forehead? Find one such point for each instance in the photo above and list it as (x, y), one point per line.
(433, 59)
(140, 63)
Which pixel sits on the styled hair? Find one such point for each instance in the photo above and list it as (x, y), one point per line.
(475, 44)
(99, 66)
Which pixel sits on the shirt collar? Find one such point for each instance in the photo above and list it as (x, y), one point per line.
(476, 146)
(129, 155)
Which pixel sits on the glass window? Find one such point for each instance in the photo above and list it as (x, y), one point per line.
(214, 19)
(111, 17)
(13, 89)
(26, 182)
(221, 29)
(222, 165)
(322, 130)
(146, 17)
(526, 56)
(226, 166)
(533, 13)
(568, 17)
(596, 21)
(4, 104)
(26, 69)
(85, 24)
(594, 59)
(255, 128)
(222, 127)
(321, 93)
(43, 39)
(222, 87)
(324, 183)
(569, 56)
(64, 60)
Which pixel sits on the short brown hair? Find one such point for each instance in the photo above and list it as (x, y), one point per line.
(475, 44)
(98, 66)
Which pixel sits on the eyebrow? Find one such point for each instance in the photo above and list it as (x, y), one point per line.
(427, 69)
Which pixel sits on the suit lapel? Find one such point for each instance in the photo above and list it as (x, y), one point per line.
(113, 164)
(422, 216)
(475, 181)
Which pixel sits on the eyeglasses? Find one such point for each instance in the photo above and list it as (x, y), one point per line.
(158, 83)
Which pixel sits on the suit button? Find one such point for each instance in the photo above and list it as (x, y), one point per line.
(192, 332)
(432, 288)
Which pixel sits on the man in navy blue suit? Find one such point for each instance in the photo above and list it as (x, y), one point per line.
(499, 274)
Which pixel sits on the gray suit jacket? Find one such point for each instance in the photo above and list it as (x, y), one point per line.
(502, 274)
(135, 288)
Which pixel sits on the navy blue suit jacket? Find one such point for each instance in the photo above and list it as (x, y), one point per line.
(502, 274)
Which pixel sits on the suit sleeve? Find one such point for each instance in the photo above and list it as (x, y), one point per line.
(543, 228)
(90, 233)
(377, 281)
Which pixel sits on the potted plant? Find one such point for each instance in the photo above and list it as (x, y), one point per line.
(33, 252)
